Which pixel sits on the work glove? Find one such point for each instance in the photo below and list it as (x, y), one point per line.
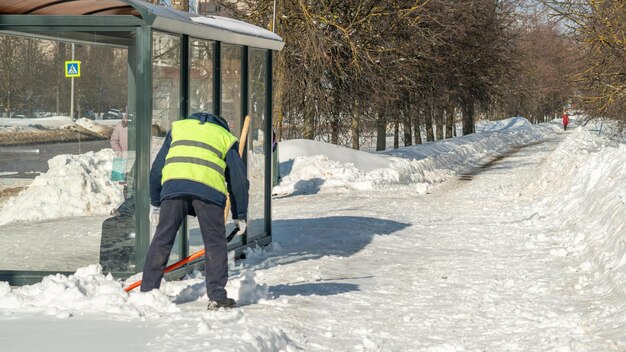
(241, 225)
(154, 214)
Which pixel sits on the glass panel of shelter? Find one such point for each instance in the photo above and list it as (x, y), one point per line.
(166, 71)
(231, 86)
(201, 68)
(61, 181)
(166, 84)
(201, 89)
(257, 140)
(231, 80)
(201, 75)
(70, 204)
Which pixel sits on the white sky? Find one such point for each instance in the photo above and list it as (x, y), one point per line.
(426, 252)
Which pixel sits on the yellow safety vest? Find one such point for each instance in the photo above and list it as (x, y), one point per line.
(197, 153)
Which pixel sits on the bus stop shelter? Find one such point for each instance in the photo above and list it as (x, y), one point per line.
(174, 64)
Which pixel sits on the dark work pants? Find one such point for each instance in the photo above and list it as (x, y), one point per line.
(211, 219)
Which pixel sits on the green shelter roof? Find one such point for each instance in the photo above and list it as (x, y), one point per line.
(161, 18)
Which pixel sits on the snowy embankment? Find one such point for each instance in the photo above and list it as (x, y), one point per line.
(583, 183)
(308, 166)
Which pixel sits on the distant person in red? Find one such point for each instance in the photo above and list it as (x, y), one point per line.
(565, 121)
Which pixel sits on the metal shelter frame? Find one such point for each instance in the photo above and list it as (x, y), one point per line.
(131, 24)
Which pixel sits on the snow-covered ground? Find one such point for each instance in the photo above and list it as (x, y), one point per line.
(511, 239)
(53, 122)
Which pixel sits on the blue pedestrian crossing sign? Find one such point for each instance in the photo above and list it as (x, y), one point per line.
(72, 68)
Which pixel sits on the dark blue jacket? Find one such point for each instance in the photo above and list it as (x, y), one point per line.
(236, 177)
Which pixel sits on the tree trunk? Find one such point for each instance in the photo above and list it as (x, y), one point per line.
(334, 130)
(454, 134)
(277, 100)
(402, 109)
(406, 122)
(355, 126)
(439, 123)
(309, 113)
(396, 133)
(428, 121)
(449, 120)
(381, 131)
(468, 118)
(417, 131)
(308, 125)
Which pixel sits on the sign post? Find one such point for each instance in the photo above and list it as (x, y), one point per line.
(72, 69)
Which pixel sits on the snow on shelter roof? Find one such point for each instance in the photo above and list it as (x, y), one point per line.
(162, 18)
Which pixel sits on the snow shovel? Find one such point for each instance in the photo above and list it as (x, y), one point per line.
(200, 253)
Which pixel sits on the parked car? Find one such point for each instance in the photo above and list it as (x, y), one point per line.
(90, 114)
(22, 114)
(112, 114)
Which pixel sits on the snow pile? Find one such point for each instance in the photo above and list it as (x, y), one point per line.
(75, 185)
(558, 169)
(88, 290)
(155, 317)
(295, 148)
(310, 166)
(309, 174)
(93, 126)
(241, 286)
(245, 290)
(583, 185)
(609, 128)
(500, 125)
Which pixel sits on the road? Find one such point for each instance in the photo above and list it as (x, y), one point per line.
(30, 160)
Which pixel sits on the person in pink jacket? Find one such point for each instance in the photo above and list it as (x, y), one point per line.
(119, 137)
(119, 143)
(565, 120)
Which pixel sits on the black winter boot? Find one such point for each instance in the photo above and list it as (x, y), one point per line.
(227, 303)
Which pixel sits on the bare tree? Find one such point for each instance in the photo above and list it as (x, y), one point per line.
(600, 28)
(540, 83)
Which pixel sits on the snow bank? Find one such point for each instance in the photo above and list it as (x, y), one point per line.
(54, 122)
(86, 291)
(75, 185)
(294, 148)
(241, 286)
(310, 166)
(500, 125)
(89, 290)
(608, 128)
(583, 184)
